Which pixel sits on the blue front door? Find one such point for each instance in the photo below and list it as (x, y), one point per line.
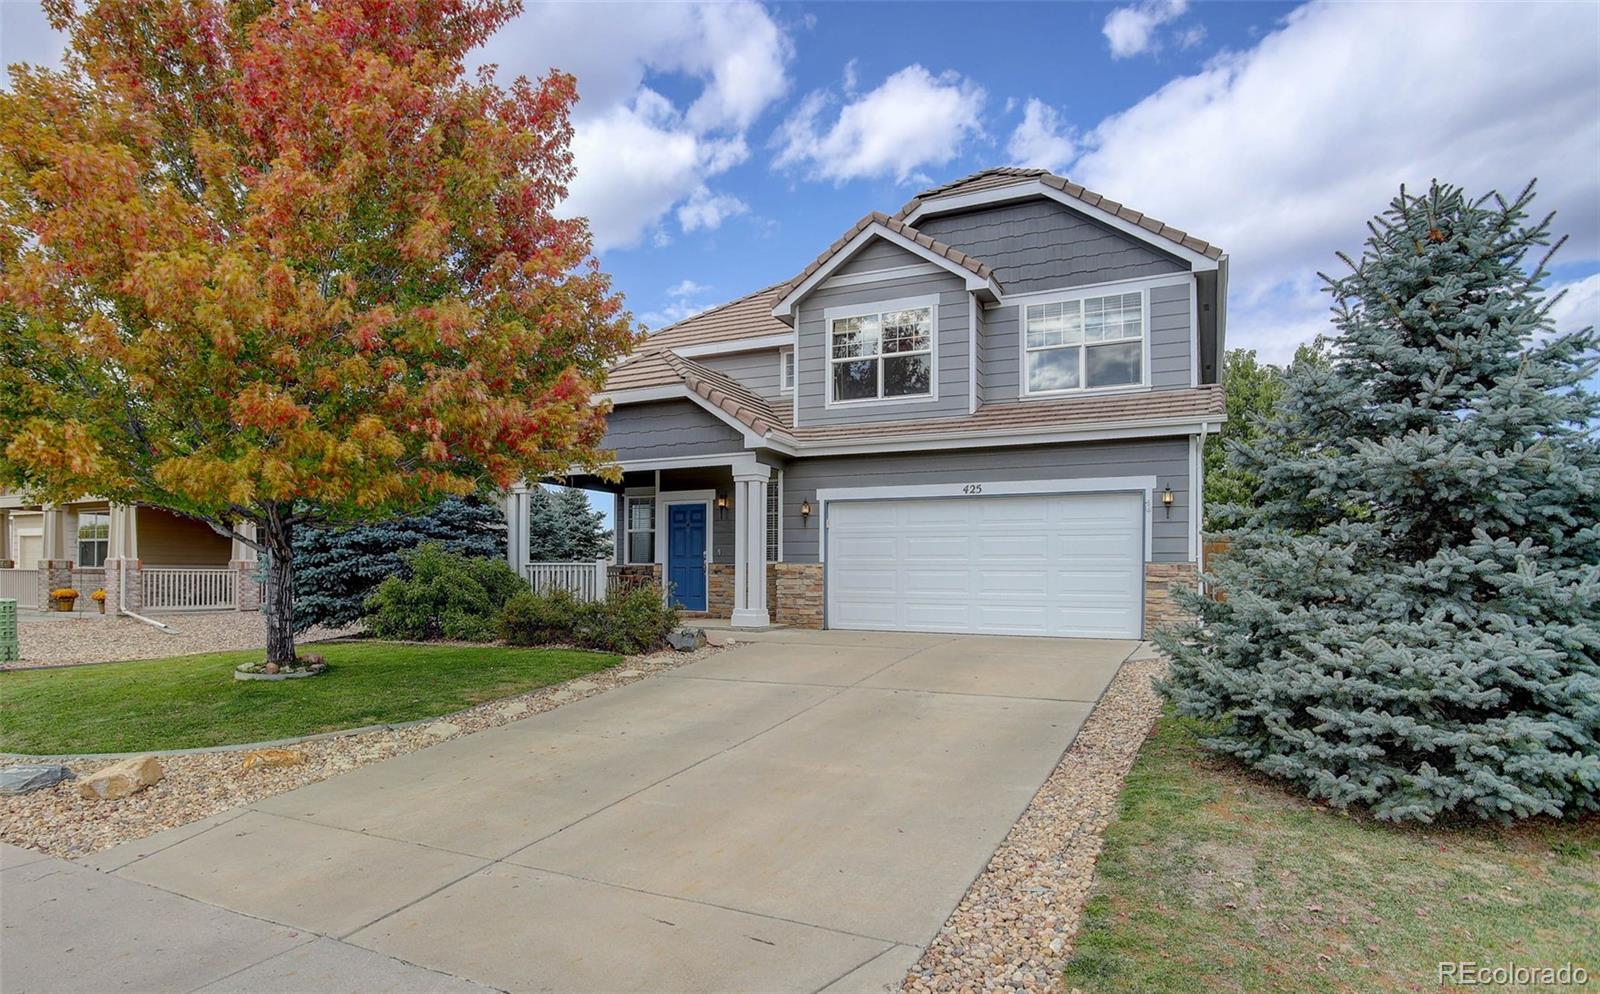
(686, 555)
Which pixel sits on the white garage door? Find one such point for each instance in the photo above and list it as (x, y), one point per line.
(1069, 565)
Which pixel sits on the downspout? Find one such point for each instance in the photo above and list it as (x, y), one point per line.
(122, 597)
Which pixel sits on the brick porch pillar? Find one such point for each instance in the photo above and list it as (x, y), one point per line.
(53, 573)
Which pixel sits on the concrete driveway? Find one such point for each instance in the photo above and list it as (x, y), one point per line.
(799, 813)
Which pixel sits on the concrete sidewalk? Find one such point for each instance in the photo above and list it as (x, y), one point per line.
(799, 813)
(68, 928)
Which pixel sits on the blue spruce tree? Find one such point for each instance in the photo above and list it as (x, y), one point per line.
(1411, 619)
(336, 568)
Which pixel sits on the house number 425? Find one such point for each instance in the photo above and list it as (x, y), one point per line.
(972, 488)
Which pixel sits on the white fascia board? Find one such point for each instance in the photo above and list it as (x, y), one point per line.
(879, 276)
(735, 346)
(1031, 436)
(784, 308)
(1198, 262)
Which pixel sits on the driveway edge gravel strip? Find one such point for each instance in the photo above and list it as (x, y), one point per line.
(202, 785)
(1013, 929)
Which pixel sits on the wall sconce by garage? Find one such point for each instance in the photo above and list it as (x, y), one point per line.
(805, 513)
(722, 505)
(1166, 500)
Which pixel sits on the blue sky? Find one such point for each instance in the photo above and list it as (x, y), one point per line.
(721, 146)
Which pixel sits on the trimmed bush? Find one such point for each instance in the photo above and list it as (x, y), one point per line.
(442, 596)
(627, 621)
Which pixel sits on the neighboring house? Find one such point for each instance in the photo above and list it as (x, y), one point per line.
(982, 414)
(145, 558)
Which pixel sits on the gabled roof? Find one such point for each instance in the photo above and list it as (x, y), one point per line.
(727, 394)
(898, 227)
(991, 179)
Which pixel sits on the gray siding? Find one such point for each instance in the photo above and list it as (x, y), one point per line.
(1167, 459)
(950, 344)
(1042, 245)
(756, 370)
(1170, 342)
(879, 254)
(720, 479)
(667, 428)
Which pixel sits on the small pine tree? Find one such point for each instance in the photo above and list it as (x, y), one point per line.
(336, 568)
(584, 530)
(546, 538)
(1412, 612)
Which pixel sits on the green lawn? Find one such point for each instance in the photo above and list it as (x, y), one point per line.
(194, 701)
(1216, 880)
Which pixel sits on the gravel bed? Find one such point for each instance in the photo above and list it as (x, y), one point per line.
(57, 821)
(1013, 930)
(93, 639)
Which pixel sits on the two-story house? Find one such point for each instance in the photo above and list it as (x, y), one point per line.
(983, 413)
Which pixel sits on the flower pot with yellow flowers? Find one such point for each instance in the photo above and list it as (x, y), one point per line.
(99, 597)
(64, 598)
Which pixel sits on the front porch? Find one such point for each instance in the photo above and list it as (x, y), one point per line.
(144, 558)
(706, 531)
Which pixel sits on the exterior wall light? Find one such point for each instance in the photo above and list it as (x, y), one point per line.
(1166, 500)
(805, 512)
(722, 505)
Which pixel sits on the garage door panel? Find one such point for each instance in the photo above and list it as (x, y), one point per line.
(1063, 565)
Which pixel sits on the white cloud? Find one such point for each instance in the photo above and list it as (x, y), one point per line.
(685, 299)
(1131, 30)
(914, 119)
(640, 156)
(1043, 139)
(1279, 154)
(1580, 308)
(707, 210)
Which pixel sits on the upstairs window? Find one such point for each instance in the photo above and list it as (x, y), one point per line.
(786, 370)
(1085, 344)
(881, 356)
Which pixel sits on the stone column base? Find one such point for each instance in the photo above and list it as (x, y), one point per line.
(1159, 607)
(719, 590)
(798, 594)
(632, 575)
(118, 599)
(247, 596)
(54, 574)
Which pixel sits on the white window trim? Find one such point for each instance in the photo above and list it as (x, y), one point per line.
(1066, 296)
(628, 529)
(786, 371)
(80, 541)
(832, 314)
(775, 486)
(1144, 485)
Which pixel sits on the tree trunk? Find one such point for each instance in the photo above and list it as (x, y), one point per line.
(278, 536)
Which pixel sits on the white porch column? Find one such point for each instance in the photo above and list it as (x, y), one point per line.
(518, 507)
(5, 538)
(53, 526)
(750, 547)
(241, 551)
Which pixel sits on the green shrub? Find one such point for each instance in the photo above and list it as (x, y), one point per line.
(442, 596)
(627, 621)
(539, 619)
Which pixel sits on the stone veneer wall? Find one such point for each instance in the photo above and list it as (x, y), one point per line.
(249, 584)
(116, 598)
(1159, 607)
(799, 594)
(634, 575)
(719, 590)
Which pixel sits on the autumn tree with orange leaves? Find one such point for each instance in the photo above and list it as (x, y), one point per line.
(281, 263)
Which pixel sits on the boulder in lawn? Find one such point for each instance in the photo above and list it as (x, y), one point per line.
(687, 639)
(122, 778)
(34, 776)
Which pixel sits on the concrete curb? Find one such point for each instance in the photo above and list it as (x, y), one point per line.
(269, 744)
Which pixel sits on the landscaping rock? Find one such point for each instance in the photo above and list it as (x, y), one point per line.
(626, 674)
(38, 776)
(272, 758)
(687, 639)
(580, 686)
(514, 710)
(442, 730)
(122, 779)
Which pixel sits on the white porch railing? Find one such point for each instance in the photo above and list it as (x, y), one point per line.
(189, 588)
(585, 581)
(20, 585)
